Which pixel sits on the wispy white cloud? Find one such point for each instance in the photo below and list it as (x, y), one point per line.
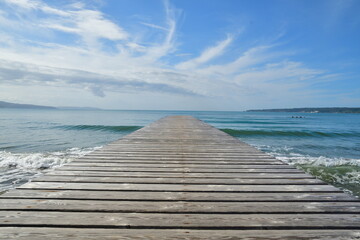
(88, 24)
(283, 72)
(154, 26)
(31, 5)
(207, 55)
(29, 74)
(167, 46)
(88, 56)
(249, 58)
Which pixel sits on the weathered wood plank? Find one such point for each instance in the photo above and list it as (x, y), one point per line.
(165, 220)
(148, 161)
(175, 166)
(179, 196)
(180, 169)
(182, 154)
(180, 187)
(190, 155)
(172, 147)
(270, 175)
(178, 207)
(30, 233)
(161, 180)
(129, 148)
(170, 159)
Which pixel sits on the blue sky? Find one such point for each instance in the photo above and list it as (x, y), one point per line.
(181, 54)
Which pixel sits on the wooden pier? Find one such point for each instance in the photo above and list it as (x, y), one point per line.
(178, 178)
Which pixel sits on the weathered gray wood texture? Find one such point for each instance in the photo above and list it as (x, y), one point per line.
(178, 178)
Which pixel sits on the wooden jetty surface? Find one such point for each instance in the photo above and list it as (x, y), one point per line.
(178, 178)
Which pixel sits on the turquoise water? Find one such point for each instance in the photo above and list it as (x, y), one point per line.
(325, 145)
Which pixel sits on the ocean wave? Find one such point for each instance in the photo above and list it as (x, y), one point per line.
(287, 154)
(19, 168)
(277, 133)
(38, 161)
(100, 128)
(340, 172)
(344, 176)
(299, 159)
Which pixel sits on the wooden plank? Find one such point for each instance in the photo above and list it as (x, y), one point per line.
(179, 196)
(179, 158)
(180, 187)
(155, 149)
(159, 180)
(180, 221)
(31, 233)
(190, 159)
(182, 154)
(180, 169)
(272, 175)
(178, 207)
(179, 161)
(129, 148)
(174, 166)
(190, 155)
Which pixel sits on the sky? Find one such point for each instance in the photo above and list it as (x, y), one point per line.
(230, 55)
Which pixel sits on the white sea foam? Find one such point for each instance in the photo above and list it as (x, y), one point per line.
(36, 161)
(341, 172)
(318, 161)
(18, 168)
(287, 155)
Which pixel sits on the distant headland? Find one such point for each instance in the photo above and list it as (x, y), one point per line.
(31, 106)
(311, 110)
(23, 106)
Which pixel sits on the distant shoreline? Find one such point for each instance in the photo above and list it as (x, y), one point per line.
(310, 110)
(4, 104)
(31, 106)
(23, 106)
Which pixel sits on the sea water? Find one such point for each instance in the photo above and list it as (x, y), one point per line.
(324, 145)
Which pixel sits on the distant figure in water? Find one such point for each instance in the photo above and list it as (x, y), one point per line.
(297, 117)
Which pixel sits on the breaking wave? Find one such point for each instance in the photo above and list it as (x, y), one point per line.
(18, 168)
(100, 128)
(340, 172)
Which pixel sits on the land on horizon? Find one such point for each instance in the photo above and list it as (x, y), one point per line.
(23, 106)
(4, 104)
(311, 110)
